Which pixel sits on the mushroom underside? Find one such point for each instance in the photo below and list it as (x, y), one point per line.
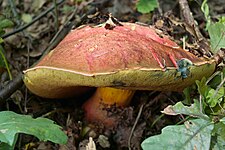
(59, 83)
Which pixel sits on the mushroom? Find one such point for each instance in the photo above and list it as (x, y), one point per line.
(118, 58)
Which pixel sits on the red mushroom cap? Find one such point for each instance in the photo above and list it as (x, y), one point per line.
(130, 56)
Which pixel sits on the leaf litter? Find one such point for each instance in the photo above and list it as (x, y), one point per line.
(31, 44)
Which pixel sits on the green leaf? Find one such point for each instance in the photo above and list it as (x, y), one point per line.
(218, 136)
(67, 8)
(145, 6)
(187, 95)
(213, 98)
(205, 10)
(217, 36)
(2, 32)
(44, 129)
(222, 19)
(218, 143)
(208, 94)
(194, 134)
(7, 146)
(193, 110)
(27, 18)
(4, 146)
(1, 40)
(202, 87)
(222, 120)
(5, 23)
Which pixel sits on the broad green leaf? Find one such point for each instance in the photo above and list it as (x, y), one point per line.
(44, 129)
(218, 136)
(4, 146)
(145, 6)
(218, 143)
(194, 134)
(179, 108)
(217, 36)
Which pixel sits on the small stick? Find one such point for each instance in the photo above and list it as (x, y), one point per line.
(134, 126)
(189, 19)
(10, 88)
(33, 21)
(192, 28)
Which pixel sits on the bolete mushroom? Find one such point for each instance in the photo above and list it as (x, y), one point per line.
(118, 59)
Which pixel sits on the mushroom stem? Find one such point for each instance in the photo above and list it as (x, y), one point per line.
(105, 97)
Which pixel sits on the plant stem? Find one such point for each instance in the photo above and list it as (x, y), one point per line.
(5, 61)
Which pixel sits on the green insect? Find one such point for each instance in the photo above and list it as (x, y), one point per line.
(183, 67)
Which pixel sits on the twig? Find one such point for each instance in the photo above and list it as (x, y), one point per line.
(56, 15)
(218, 88)
(134, 126)
(28, 64)
(157, 119)
(212, 76)
(10, 88)
(192, 28)
(33, 21)
(186, 13)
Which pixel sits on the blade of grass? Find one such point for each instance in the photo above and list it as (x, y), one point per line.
(5, 61)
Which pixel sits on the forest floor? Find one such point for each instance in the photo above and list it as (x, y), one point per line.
(27, 46)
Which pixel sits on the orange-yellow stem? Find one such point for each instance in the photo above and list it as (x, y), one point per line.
(105, 97)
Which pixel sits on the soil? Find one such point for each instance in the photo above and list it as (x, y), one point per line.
(26, 47)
